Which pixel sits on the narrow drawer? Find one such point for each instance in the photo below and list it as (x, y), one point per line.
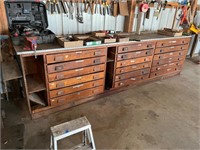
(132, 74)
(135, 47)
(134, 61)
(131, 81)
(165, 66)
(172, 42)
(75, 64)
(76, 96)
(170, 49)
(75, 72)
(133, 67)
(76, 88)
(76, 80)
(165, 71)
(167, 60)
(54, 58)
(135, 54)
(168, 55)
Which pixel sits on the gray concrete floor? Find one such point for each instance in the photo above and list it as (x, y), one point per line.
(159, 115)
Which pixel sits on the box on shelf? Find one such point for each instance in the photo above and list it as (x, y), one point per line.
(67, 43)
(88, 40)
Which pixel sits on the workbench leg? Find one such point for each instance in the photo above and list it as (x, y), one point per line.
(55, 144)
(92, 139)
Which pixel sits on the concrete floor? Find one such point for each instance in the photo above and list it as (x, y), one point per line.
(159, 115)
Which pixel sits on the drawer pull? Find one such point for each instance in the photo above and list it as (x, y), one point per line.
(183, 41)
(170, 53)
(96, 84)
(180, 53)
(57, 68)
(96, 77)
(60, 76)
(79, 70)
(97, 61)
(133, 79)
(171, 64)
(125, 49)
(121, 71)
(145, 59)
(172, 41)
(165, 65)
(142, 78)
(96, 69)
(148, 52)
(170, 58)
(77, 86)
(60, 93)
(80, 52)
(120, 84)
(157, 68)
(58, 58)
(143, 72)
(139, 45)
(149, 45)
(161, 51)
(78, 61)
(132, 61)
(124, 56)
(172, 47)
(97, 53)
(60, 84)
(169, 69)
(137, 52)
(79, 78)
(134, 66)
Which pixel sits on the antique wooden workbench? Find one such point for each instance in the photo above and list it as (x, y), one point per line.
(60, 78)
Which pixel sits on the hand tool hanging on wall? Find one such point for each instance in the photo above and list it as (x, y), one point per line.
(100, 9)
(48, 3)
(79, 16)
(71, 9)
(52, 9)
(57, 6)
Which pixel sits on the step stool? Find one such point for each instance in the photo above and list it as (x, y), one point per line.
(66, 129)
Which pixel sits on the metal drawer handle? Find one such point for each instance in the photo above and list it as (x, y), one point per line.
(58, 58)
(60, 76)
(77, 86)
(96, 69)
(137, 52)
(97, 53)
(161, 51)
(79, 69)
(78, 78)
(60, 93)
(95, 84)
(157, 68)
(170, 58)
(121, 70)
(97, 61)
(57, 68)
(134, 66)
(172, 41)
(139, 45)
(133, 79)
(149, 45)
(171, 64)
(180, 53)
(143, 72)
(78, 61)
(172, 47)
(125, 49)
(132, 61)
(80, 52)
(60, 84)
(121, 83)
(171, 53)
(169, 69)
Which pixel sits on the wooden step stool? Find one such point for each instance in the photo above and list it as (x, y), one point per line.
(66, 129)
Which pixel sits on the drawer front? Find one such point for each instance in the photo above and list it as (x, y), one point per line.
(135, 47)
(133, 67)
(135, 54)
(75, 64)
(76, 80)
(53, 58)
(75, 72)
(165, 71)
(134, 61)
(131, 81)
(132, 74)
(168, 55)
(170, 49)
(165, 66)
(168, 60)
(76, 96)
(171, 42)
(76, 88)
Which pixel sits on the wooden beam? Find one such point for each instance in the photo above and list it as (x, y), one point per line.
(193, 10)
(3, 19)
(129, 20)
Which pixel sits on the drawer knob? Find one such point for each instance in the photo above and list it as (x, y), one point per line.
(60, 93)
(148, 52)
(180, 53)
(149, 45)
(143, 72)
(157, 68)
(125, 49)
(57, 68)
(121, 70)
(96, 61)
(161, 51)
(142, 78)
(120, 84)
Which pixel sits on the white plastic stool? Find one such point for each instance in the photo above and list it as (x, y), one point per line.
(66, 129)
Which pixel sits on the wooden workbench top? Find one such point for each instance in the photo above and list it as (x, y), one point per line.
(55, 47)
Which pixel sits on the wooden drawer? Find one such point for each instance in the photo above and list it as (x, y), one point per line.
(167, 60)
(168, 55)
(132, 74)
(76, 96)
(76, 88)
(171, 42)
(165, 71)
(131, 81)
(133, 67)
(135, 54)
(135, 47)
(76, 72)
(170, 49)
(53, 58)
(165, 66)
(75, 64)
(134, 61)
(76, 80)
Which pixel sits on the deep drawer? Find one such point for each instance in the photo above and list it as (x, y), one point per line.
(165, 71)
(165, 66)
(54, 58)
(75, 88)
(134, 61)
(132, 68)
(76, 72)
(168, 55)
(171, 42)
(76, 96)
(167, 60)
(75, 64)
(132, 74)
(131, 81)
(135, 47)
(170, 49)
(135, 54)
(76, 80)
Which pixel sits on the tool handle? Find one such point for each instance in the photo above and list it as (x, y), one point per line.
(58, 9)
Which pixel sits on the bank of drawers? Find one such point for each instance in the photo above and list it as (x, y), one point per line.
(169, 56)
(75, 75)
(133, 63)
